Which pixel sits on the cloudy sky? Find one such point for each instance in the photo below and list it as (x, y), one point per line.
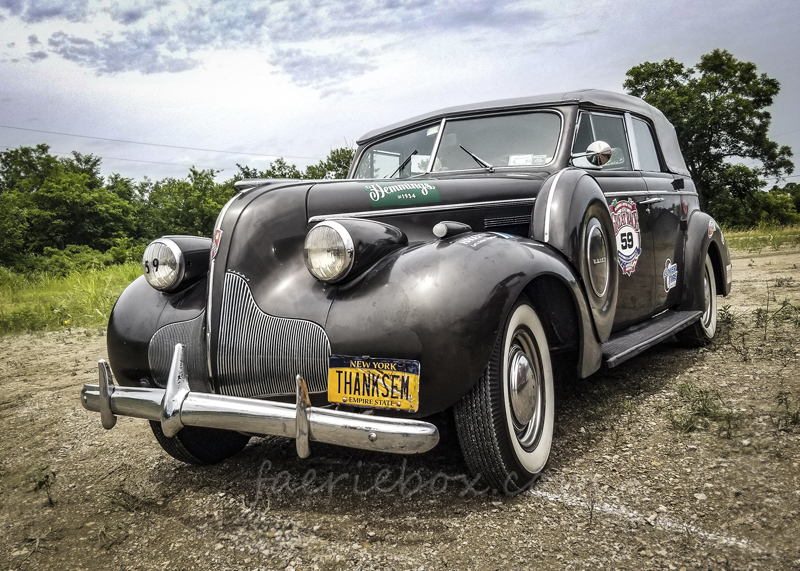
(220, 82)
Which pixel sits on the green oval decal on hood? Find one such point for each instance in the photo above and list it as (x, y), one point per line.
(383, 194)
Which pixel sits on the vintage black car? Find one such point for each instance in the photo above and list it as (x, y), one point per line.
(467, 247)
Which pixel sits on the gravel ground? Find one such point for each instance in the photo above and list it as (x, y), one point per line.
(678, 459)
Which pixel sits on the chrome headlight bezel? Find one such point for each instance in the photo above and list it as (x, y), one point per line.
(165, 253)
(344, 254)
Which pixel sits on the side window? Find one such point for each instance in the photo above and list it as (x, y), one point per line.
(584, 136)
(648, 156)
(603, 127)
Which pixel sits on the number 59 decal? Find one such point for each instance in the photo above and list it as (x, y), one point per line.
(626, 229)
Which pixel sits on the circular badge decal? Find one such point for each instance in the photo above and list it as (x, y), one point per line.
(629, 238)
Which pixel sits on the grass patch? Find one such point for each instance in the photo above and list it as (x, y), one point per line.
(43, 478)
(763, 238)
(41, 302)
(791, 409)
(702, 408)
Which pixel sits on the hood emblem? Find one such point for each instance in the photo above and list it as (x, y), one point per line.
(215, 244)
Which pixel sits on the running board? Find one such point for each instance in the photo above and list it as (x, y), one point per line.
(631, 341)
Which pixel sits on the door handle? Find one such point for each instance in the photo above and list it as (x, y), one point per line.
(650, 201)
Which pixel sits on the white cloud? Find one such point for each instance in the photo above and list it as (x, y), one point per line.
(300, 77)
(155, 39)
(34, 11)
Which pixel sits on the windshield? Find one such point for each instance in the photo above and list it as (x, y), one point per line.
(411, 151)
(518, 140)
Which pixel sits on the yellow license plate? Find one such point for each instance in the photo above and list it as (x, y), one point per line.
(374, 383)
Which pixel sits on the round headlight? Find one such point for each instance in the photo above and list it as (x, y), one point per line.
(162, 264)
(328, 251)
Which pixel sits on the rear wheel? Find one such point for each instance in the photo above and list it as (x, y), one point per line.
(505, 423)
(701, 332)
(200, 446)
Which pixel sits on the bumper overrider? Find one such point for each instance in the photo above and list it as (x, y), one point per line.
(178, 406)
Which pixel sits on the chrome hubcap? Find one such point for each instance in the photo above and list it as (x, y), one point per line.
(525, 389)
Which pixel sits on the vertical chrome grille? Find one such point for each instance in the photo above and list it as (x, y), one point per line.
(260, 355)
(162, 345)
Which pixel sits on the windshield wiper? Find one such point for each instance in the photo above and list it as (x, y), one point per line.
(403, 165)
(478, 160)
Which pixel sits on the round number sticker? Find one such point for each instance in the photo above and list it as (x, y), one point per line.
(626, 229)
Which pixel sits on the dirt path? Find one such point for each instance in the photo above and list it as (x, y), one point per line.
(625, 488)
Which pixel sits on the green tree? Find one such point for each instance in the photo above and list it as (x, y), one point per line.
(85, 164)
(281, 169)
(792, 189)
(777, 208)
(67, 210)
(135, 194)
(719, 110)
(49, 203)
(334, 166)
(187, 206)
(245, 172)
(124, 188)
(13, 229)
(26, 168)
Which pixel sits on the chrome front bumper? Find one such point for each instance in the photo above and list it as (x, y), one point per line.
(177, 406)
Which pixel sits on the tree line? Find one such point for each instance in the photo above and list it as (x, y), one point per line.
(58, 213)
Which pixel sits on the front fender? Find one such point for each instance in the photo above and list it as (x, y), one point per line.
(443, 303)
(704, 236)
(144, 327)
(566, 203)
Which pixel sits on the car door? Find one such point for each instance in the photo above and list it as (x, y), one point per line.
(626, 193)
(665, 211)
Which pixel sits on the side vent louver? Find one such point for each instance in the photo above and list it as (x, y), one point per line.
(507, 221)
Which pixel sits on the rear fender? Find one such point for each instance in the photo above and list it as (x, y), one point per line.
(443, 303)
(703, 236)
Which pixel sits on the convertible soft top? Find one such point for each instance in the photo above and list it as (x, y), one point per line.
(588, 97)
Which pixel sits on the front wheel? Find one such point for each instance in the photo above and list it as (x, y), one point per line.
(701, 332)
(505, 423)
(200, 446)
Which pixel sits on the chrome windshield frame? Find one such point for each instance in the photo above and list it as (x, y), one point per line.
(436, 144)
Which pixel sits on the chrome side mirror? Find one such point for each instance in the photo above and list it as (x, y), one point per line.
(598, 153)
